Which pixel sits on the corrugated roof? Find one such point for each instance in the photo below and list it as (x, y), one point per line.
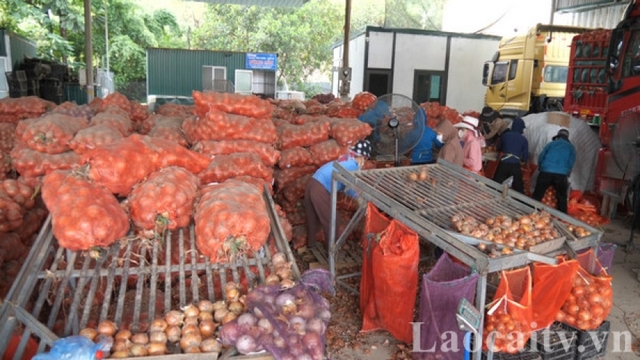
(266, 3)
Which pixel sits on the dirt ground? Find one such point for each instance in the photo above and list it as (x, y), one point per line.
(345, 341)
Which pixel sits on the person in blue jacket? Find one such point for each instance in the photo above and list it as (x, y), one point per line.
(555, 164)
(423, 152)
(513, 148)
(317, 197)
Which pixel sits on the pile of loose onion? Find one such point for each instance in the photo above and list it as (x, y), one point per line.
(289, 321)
(192, 329)
(579, 231)
(588, 304)
(509, 329)
(521, 233)
(549, 198)
(282, 273)
(421, 175)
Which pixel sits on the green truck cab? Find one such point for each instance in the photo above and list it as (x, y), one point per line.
(528, 73)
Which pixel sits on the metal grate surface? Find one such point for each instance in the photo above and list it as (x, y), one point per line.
(59, 292)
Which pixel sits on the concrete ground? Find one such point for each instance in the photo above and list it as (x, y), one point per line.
(624, 340)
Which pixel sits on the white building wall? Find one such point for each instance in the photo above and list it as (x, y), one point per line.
(465, 89)
(416, 52)
(356, 62)
(380, 50)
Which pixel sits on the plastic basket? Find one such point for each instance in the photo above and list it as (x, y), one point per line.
(552, 343)
(586, 348)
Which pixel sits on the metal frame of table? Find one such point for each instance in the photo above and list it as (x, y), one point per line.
(426, 207)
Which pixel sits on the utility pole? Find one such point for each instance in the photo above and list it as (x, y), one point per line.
(88, 49)
(344, 74)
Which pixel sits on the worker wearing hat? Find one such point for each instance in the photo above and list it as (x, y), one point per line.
(491, 124)
(555, 164)
(317, 197)
(472, 148)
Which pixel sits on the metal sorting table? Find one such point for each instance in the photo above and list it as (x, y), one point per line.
(427, 206)
(80, 287)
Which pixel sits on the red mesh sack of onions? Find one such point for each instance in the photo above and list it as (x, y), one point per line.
(223, 167)
(164, 200)
(290, 136)
(31, 163)
(93, 137)
(117, 120)
(115, 99)
(289, 323)
(18, 191)
(218, 125)
(139, 112)
(10, 214)
(241, 220)
(166, 127)
(327, 151)
(50, 134)
(83, 213)
(257, 182)
(32, 105)
(247, 105)
(72, 109)
(295, 157)
(267, 153)
(170, 109)
(348, 131)
(120, 165)
(283, 178)
(295, 191)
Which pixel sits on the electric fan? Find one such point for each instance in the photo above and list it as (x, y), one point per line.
(625, 148)
(398, 123)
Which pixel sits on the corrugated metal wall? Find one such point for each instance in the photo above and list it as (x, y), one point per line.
(606, 17)
(177, 72)
(19, 47)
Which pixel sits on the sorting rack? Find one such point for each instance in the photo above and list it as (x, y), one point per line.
(127, 279)
(427, 206)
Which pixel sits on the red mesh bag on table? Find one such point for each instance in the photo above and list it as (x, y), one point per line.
(551, 286)
(389, 276)
(83, 213)
(295, 157)
(348, 131)
(591, 297)
(267, 153)
(164, 200)
(326, 151)
(30, 163)
(120, 122)
(120, 165)
(93, 137)
(283, 178)
(223, 167)
(218, 125)
(510, 314)
(443, 287)
(246, 105)
(50, 134)
(310, 133)
(242, 222)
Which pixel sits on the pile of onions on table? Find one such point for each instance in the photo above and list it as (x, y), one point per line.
(289, 323)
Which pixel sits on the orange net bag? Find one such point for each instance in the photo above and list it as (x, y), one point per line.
(348, 131)
(508, 320)
(218, 125)
(223, 167)
(30, 163)
(93, 137)
(267, 153)
(389, 276)
(247, 105)
(551, 286)
(591, 297)
(308, 134)
(295, 157)
(285, 177)
(50, 134)
(327, 151)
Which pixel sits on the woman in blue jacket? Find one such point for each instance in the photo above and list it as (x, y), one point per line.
(555, 164)
(423, 152)
(514, 150)
(317, 196)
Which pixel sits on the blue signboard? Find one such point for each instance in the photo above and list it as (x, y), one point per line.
(257, 61)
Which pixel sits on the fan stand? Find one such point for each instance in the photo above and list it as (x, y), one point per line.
(393, 124)
(635, 187)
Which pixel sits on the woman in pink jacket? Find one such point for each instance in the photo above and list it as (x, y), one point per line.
(472, 147)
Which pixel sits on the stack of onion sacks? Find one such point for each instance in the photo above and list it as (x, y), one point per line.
(289, 323)
(522, 233)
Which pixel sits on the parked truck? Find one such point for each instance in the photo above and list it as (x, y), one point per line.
(528, 73)
(603, 89)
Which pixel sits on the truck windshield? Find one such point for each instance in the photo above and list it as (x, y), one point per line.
(555, 74)
(631, 63)
(500, 72)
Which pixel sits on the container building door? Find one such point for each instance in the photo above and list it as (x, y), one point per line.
(378, 82)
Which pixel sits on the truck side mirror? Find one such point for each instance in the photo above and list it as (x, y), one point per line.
(487, 72)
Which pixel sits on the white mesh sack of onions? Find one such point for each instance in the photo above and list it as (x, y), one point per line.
(289, 323)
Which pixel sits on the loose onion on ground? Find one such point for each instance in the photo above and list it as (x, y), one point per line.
(210, 346)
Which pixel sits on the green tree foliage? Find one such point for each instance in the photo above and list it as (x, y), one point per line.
(414, 14)
(300, 36)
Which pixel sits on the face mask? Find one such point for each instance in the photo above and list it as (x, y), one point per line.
(440, 138)
(461, 133)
